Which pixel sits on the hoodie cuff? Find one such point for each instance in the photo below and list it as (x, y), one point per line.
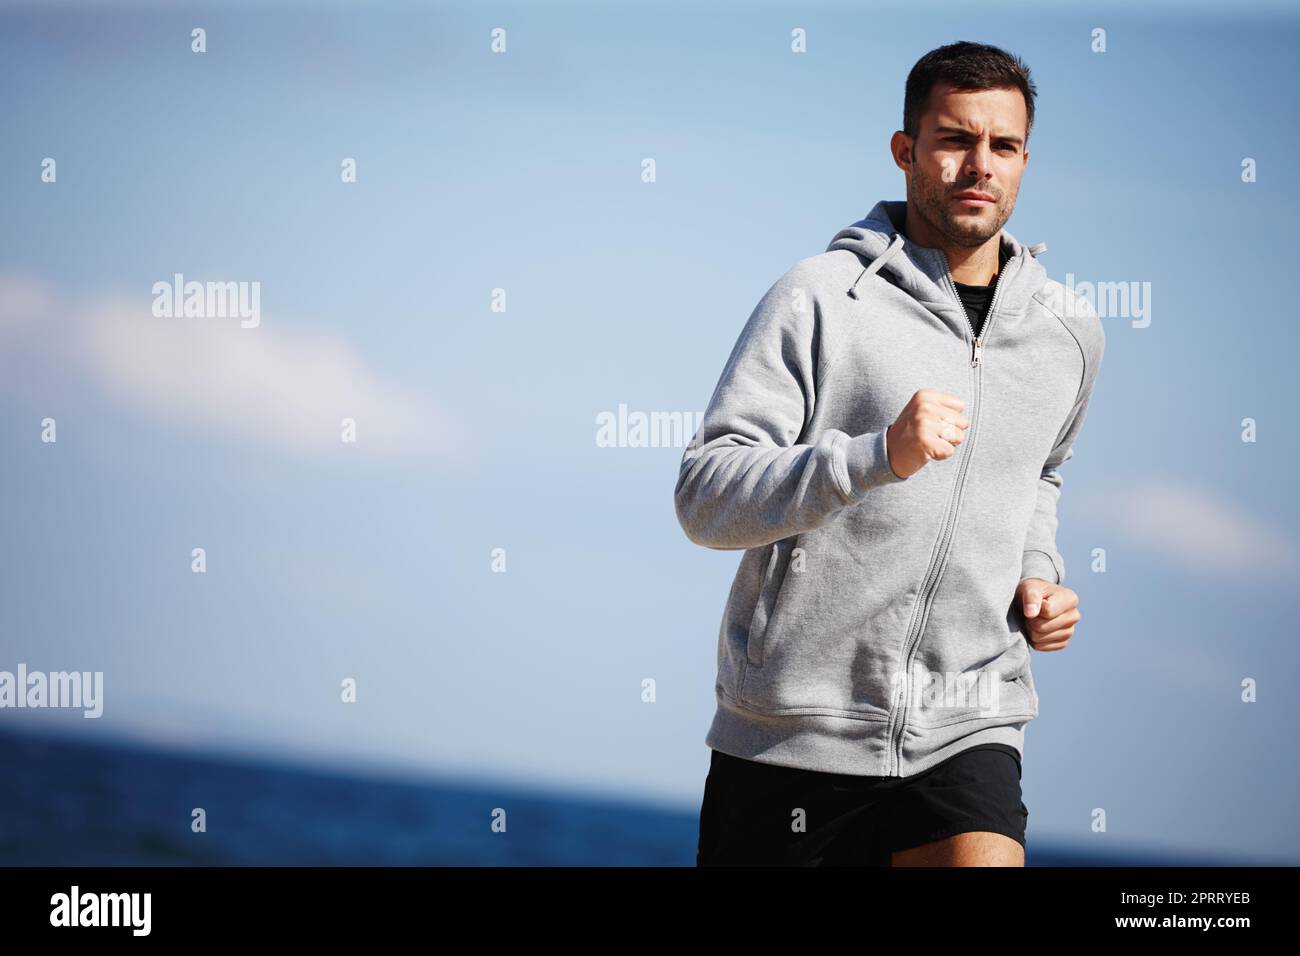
(1041, 565)
(867, 461)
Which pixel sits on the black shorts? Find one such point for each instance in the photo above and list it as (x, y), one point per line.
(750, 810)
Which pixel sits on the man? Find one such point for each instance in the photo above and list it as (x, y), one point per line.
(883, 445)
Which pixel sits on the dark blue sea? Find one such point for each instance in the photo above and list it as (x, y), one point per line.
(70, 803)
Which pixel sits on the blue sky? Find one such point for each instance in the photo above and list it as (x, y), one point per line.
(522, 171)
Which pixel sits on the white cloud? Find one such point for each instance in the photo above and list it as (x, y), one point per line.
(1199, 530)
(284, 387)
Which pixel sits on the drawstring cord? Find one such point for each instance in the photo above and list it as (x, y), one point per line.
(877, 264)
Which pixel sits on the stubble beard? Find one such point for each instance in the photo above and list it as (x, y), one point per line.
(931, 198)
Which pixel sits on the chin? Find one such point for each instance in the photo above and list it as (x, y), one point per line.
(972, 232)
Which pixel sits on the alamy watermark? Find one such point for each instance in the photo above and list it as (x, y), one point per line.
(208, 300)
(74, 689)
(1124, 300)
(950, 690)
(626, 429)
(75, 908)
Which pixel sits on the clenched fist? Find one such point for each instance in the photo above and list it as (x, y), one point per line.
(1051, 612)
(930, 427)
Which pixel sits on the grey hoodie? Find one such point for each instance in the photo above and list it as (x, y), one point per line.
(872, 626)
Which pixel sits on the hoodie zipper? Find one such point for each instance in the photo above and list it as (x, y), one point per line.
(978, 344)
(950, 518)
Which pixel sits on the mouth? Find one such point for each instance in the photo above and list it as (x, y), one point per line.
(973, 199)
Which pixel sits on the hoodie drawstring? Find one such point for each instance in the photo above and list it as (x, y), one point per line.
(877, 264)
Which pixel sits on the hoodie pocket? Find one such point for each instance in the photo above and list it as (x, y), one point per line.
(760, 625)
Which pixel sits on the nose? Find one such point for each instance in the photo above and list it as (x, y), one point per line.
(979, 161)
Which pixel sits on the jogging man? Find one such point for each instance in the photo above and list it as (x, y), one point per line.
(884, 445)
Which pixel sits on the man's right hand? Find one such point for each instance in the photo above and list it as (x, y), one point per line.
(930, 427)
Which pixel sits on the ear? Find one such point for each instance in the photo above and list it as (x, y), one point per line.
(902, 149)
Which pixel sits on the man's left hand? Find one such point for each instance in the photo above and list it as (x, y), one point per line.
(1051, 612)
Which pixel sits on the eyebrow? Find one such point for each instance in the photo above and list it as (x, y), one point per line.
(1015, 140)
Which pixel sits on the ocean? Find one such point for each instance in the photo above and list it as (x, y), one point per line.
(69, 802)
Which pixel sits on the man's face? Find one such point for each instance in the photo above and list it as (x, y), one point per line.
(968, 142)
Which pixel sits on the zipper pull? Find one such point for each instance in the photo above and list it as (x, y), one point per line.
(975, 360)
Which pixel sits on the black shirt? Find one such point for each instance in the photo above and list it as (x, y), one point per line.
(976, 298)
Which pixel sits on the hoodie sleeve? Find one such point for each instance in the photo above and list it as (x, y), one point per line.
(1041, 558)
(746, 479)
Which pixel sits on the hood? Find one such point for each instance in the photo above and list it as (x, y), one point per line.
(922, 271)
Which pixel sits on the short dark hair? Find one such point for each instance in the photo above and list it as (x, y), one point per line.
(967, 66)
